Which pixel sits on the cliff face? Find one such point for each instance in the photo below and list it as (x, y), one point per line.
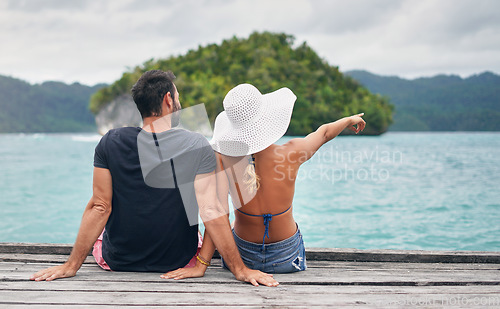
(121, 112)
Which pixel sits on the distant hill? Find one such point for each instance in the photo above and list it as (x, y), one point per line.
(439, 103)
(269, 61)
(46, 107)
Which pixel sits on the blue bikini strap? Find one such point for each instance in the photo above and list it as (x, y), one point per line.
(267, 219)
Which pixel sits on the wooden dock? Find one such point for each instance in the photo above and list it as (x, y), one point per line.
(334, 278)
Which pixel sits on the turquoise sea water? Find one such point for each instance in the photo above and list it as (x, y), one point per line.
(431, 191)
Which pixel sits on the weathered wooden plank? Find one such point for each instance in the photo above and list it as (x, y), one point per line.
(339, 267)
(254, 297)
(399, 265)
(233, 289)
(122, 306)
(38, 262)
(320, 254)
(409, 256)
(95, 270)
(295, 306)
(117, 298)
(35, 248)
(314, 276)
(39, 258)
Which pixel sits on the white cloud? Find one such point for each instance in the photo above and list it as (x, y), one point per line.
(94, 41)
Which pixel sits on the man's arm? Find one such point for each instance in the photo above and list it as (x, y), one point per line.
(217, 224)
(94, 219)
(305, 148)
(208, 248)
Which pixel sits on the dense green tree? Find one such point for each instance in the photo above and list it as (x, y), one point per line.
(269, 61)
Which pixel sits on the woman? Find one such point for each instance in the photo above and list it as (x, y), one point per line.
(260, 177)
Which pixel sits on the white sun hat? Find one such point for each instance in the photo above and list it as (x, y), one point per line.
(251, 121)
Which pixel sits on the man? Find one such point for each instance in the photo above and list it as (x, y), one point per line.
(146, 227)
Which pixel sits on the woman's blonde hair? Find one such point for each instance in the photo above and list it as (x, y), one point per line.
(250, 178)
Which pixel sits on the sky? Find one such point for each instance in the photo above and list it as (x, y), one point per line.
(95, 41)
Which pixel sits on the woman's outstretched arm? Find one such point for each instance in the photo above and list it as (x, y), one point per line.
(305, 148)
(330, 130)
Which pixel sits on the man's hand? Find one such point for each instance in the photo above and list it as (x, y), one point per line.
(182, 273)
(255, 277)
(56, 272)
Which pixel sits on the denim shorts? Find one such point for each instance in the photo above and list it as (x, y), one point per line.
(286, 256)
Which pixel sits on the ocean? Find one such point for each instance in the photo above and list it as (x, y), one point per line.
(408, 191)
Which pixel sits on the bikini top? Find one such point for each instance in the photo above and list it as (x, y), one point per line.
(267, 217)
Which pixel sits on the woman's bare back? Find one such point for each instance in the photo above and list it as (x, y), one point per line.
(275, 194)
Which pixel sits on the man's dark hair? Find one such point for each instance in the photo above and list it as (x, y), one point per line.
(150, 89)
